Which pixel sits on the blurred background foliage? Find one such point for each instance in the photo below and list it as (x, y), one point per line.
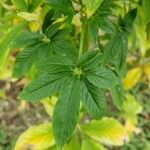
(132, 124)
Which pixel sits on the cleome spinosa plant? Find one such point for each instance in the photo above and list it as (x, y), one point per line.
(78, 72)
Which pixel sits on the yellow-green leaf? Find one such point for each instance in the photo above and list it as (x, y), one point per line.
(146, 69)
(131, 108)
(130, 127)
(20, 4)
(7, 41)
(146, 9)
(73, 143)
(91, 6)
(132, 78)
(36, 138)
(91, 145)
(106, 130)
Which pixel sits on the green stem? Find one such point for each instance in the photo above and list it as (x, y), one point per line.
(82, 37)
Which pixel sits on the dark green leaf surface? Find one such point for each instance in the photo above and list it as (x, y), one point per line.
(56, 64)
(90, 60)
(24, 61)
(52, 30)
(127, 22)
(93, 100)
(106, 25)
(66, 112)
(102, 77)
(26, 39)
(116, 49)
(42, 87)
(62, 7)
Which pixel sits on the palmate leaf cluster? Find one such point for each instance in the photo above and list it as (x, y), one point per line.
(75, 80)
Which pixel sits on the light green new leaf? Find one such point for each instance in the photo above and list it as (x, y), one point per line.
(93, 100)
(131, 108)
(107, 130)
(88, 144)
(7, 41)
(66, 112)
(91, 6)
(146, 9)
(102, 77)
(36, 138)
(45, 85)
(20, 4)
(73, 144)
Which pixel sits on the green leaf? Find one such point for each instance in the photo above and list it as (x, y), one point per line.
(107, 130)
(91, 6)
(93, 27)
(88, 144)
(116, 50)
(66, 112)
(20, 5)
(93, 100)
(57, 64)
(105, 9)
(36, 137)
(127, 22)
(100, 22)
(73, 144)
(7, 41)
(35, 4)
(57, 60)
(117, 93)
(146, 8)
(45, 85)
(47, 19)
(25, 39)
(40, 47)
(102, 77)
(64, 47)
(66, 7)
(52, 30)
(106, 25)
(90, 60)
(24, 61)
